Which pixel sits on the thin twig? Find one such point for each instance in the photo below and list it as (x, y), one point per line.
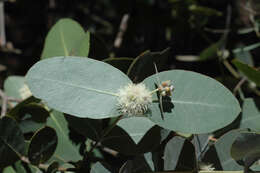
(121, 32)
(4, 103)
(2, 25)
(42, 166)
(239, 84)
(231, 69)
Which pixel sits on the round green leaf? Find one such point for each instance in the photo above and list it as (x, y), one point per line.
(66, 38)
(42, 145)
(223, 147)
(199, 103)
(12, 145)
(33, 116)
(77, 86)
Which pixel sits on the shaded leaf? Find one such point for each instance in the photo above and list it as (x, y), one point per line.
(119, 140)
(136, 165)
(223, 147)
(90, 128)
(42, 145)
(250, 72)
(201, 143)
(12, 145)
(120, 63)
(53, 167)
(196, 98)
(59, 123)
(76, 86)
(172, 153)
(33, 116)
(14, 112)
(143, 65)
(66, 38)
(250, 114)
(244, 56)
(246, 148)
(211, 51)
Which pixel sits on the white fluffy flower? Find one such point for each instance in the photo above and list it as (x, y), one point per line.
(133, 99)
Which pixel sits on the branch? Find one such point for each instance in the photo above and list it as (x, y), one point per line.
(44, 166)
(2, 25)
(4, 103)
(121, 32)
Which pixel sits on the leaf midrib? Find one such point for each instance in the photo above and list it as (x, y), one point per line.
(76, 86)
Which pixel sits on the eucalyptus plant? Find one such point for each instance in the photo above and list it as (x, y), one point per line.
(76, 110)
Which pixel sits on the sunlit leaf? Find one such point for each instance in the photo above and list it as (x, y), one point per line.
(66, 38)
(81, 87)
(196, 98)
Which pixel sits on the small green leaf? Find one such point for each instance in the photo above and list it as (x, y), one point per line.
(172, 152)
(244, 56)
(42, 145)
(250, 114)
(9, 169)
(211, 51)
(99, 168)
(15, 112)
(196, 98)
(250, 72)
(14, 86)
(78, 86)
(66, 38)
(33, 116)
(12, 145)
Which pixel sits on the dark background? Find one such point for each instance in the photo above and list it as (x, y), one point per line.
(27, 23)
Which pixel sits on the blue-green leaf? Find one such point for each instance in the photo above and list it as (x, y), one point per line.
(196, 99)
(78, 86)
